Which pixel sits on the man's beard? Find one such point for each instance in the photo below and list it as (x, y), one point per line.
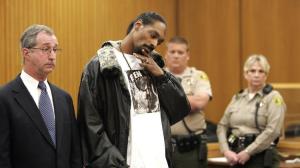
(139, 49)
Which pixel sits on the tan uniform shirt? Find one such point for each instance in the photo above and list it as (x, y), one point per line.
(193, 82)
(240, 116)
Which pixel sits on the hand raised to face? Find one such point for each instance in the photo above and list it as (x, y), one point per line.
(149, 64)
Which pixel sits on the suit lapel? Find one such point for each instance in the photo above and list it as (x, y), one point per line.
(59, 111)
(26, 101)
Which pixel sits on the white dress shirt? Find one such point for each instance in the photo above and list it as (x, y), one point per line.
(32, 86)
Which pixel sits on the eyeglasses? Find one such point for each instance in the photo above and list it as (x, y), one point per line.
(48, 50)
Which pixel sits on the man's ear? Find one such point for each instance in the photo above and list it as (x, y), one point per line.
(138, 24)
(25, 52)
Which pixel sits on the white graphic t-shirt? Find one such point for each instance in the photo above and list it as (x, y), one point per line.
(146, 145)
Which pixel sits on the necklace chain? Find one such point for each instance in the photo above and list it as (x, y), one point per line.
(124, 56)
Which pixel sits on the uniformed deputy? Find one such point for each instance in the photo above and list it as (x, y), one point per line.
(189, 134)
(250, 127)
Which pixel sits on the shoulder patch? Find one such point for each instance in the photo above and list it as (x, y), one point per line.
(277, 100)
(203, 76)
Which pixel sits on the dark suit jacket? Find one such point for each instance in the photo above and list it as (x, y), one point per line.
(24, 138)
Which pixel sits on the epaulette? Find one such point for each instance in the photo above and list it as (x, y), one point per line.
(238, 95)
(241, 91)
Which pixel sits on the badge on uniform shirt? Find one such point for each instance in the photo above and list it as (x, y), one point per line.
(277, 100)
(262, 103)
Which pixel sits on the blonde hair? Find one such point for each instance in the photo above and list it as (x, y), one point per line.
(261, 59)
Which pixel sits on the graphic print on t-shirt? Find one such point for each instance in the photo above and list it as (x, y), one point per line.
(144, 94)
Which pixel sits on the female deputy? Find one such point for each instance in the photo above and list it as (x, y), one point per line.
(250, 127)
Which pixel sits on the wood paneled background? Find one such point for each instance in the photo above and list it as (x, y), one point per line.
(80, 26)
(222, 33)
(212, 28)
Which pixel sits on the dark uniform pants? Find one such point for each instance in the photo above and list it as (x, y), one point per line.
(188, 159)
(257, 161)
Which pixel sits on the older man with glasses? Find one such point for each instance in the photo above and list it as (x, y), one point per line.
(37, 121)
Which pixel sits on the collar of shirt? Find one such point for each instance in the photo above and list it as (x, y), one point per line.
(123, 59)
(32, 86)
(246, 93)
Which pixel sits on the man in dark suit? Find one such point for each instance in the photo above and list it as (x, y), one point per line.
(37, 122)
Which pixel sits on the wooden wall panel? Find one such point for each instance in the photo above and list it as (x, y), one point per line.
(271, 27)
(221, 35)
(80, 25)
(212, 29)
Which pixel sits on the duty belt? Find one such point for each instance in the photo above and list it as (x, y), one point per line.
(185, 143)
(238, 143)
